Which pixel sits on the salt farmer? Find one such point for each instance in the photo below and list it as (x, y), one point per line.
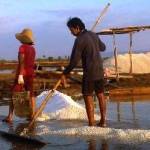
(87, 47)
(25, 70)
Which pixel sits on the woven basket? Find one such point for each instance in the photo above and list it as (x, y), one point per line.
(21, 102)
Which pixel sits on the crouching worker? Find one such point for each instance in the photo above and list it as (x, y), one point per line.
(86, 47)
(25, 70)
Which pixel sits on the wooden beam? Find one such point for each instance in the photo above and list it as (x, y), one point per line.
(123, 30)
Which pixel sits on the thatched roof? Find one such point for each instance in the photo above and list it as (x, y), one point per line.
(123, 30)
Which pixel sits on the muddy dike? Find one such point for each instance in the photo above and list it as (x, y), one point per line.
(42, 82)
(135, 84)
(45, 80)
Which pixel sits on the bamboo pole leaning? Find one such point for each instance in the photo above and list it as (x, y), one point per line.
(100, 16)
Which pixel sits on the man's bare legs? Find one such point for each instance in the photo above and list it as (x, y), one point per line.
(102, 106)
(89, 104)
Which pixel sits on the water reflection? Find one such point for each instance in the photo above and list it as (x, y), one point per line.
(17, 142)
(130, 109)
(8, 71)
(93, 144)
(133, 110)
(16, 145)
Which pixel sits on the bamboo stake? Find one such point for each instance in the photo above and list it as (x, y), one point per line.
(130, 54)
(115, 55)
(100, 16)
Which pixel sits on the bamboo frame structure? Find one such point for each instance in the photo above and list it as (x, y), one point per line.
(124, 30)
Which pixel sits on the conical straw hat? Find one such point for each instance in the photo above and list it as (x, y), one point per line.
(26, 36)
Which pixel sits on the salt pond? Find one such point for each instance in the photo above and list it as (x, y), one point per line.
(128, 128)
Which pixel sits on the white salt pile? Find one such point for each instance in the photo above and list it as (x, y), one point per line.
(140, 63)
(61, 106)
(120, 135)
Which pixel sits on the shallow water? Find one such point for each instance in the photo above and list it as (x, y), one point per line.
(122, 114)
(6, 71)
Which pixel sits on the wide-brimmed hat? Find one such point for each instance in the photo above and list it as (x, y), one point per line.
(26, 36)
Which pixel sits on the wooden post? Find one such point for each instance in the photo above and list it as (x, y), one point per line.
(130, 53)
(115, 55)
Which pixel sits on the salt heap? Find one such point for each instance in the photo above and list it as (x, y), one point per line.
(61, 106)
(130, 136)
(140, 63)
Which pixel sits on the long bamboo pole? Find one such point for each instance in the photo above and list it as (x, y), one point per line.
(100, 16)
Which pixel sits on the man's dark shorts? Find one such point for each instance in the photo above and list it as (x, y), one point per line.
(88, 87)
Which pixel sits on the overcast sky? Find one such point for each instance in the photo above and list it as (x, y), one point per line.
(47, 19)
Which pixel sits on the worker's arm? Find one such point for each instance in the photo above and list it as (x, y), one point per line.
(21, 68)
(74, 59)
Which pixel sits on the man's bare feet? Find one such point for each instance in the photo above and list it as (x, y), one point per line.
(7, 119)
(92, 124)
(101, 124)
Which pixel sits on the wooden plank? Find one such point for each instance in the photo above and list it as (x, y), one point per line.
(120, 76)
(123, 30)
(130, 91)
(129, 98)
